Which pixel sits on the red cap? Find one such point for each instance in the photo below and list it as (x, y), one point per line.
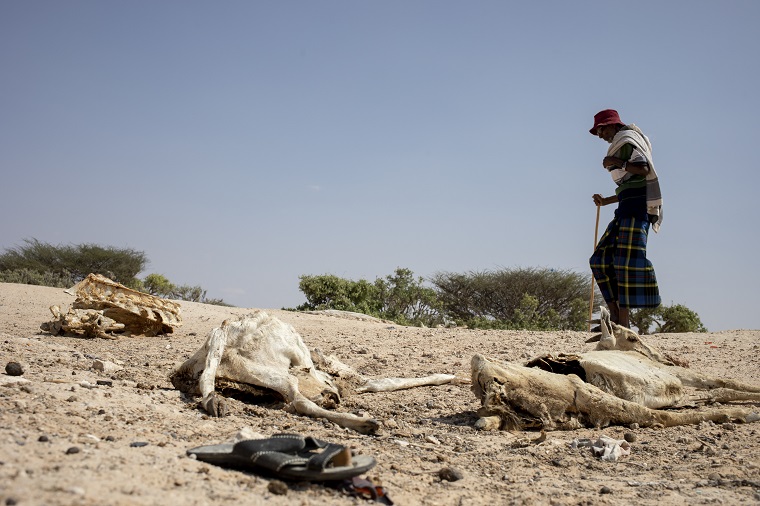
(606, 117)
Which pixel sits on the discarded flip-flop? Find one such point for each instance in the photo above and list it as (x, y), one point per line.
(288, 456)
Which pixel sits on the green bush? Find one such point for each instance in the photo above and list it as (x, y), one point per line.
(119, 264)
(39, 263)
(26, 276)
(675, 318)
(525, 298)
(398, 297)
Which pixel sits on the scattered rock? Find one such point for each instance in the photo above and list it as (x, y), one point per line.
(729, 426)
(138, 444)
(105, 366)
(450, 474)
(14, 369)
(630, 437)
(605, 490)
(277, 487)
(43, 439)
(73, 450)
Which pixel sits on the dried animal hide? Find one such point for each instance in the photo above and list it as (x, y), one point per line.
(104, 307)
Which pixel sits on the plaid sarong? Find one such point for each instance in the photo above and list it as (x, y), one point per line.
(620, 265)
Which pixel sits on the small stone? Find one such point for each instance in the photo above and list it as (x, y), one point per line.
(11, 501)
(110, 438)
(73, 450)
(107, 383)
(277, 487)
(138, 444)
(14, 369)
(605, 490)
(633, 426)
(630, 437)
(729, 426)
(43, 439)
(450, 474)
(105, 366)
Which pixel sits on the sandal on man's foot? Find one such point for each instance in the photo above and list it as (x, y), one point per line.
(288, 457)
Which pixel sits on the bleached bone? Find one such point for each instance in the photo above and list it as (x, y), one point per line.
(623, 381)
(84, 322)
(100, 300)
(361, 384)
(258, 351)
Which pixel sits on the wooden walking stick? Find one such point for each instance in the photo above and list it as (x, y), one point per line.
(591, 302)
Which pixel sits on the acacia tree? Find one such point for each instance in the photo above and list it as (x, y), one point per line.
(534, 298)
(74, 262)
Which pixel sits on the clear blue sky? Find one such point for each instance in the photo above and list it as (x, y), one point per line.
(241, 144)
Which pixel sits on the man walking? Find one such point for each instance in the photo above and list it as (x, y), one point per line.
(619, 264)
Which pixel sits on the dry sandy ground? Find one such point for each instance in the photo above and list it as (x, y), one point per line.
(424, 429)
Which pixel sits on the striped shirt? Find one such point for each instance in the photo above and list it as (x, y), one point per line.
(632, 190)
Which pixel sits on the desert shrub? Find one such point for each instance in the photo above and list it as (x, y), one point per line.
(76, 261)
(160, 286)
(524, 298)
(39, 263)
(399, 297)
(26, 276)
(675, 318)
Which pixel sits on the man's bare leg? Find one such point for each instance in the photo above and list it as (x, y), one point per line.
(623, 317)
(614, 311)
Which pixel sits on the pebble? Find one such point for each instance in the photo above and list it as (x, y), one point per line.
(605, 490)
(73, 450)
(14, 369)
(450, 474)
(630, 437)
(43, 439)
(729, 426)
(138, 444)
(277, 487)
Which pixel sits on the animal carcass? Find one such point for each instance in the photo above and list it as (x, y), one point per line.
(104, 308)
(258, 353)
(623, 381)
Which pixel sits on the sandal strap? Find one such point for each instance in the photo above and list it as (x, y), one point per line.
(321, 460)
(284, 443)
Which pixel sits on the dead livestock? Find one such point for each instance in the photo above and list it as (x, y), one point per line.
(623, 381)
(106, 309)
(259, 354)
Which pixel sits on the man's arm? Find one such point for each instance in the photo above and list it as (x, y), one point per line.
(603, 201)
